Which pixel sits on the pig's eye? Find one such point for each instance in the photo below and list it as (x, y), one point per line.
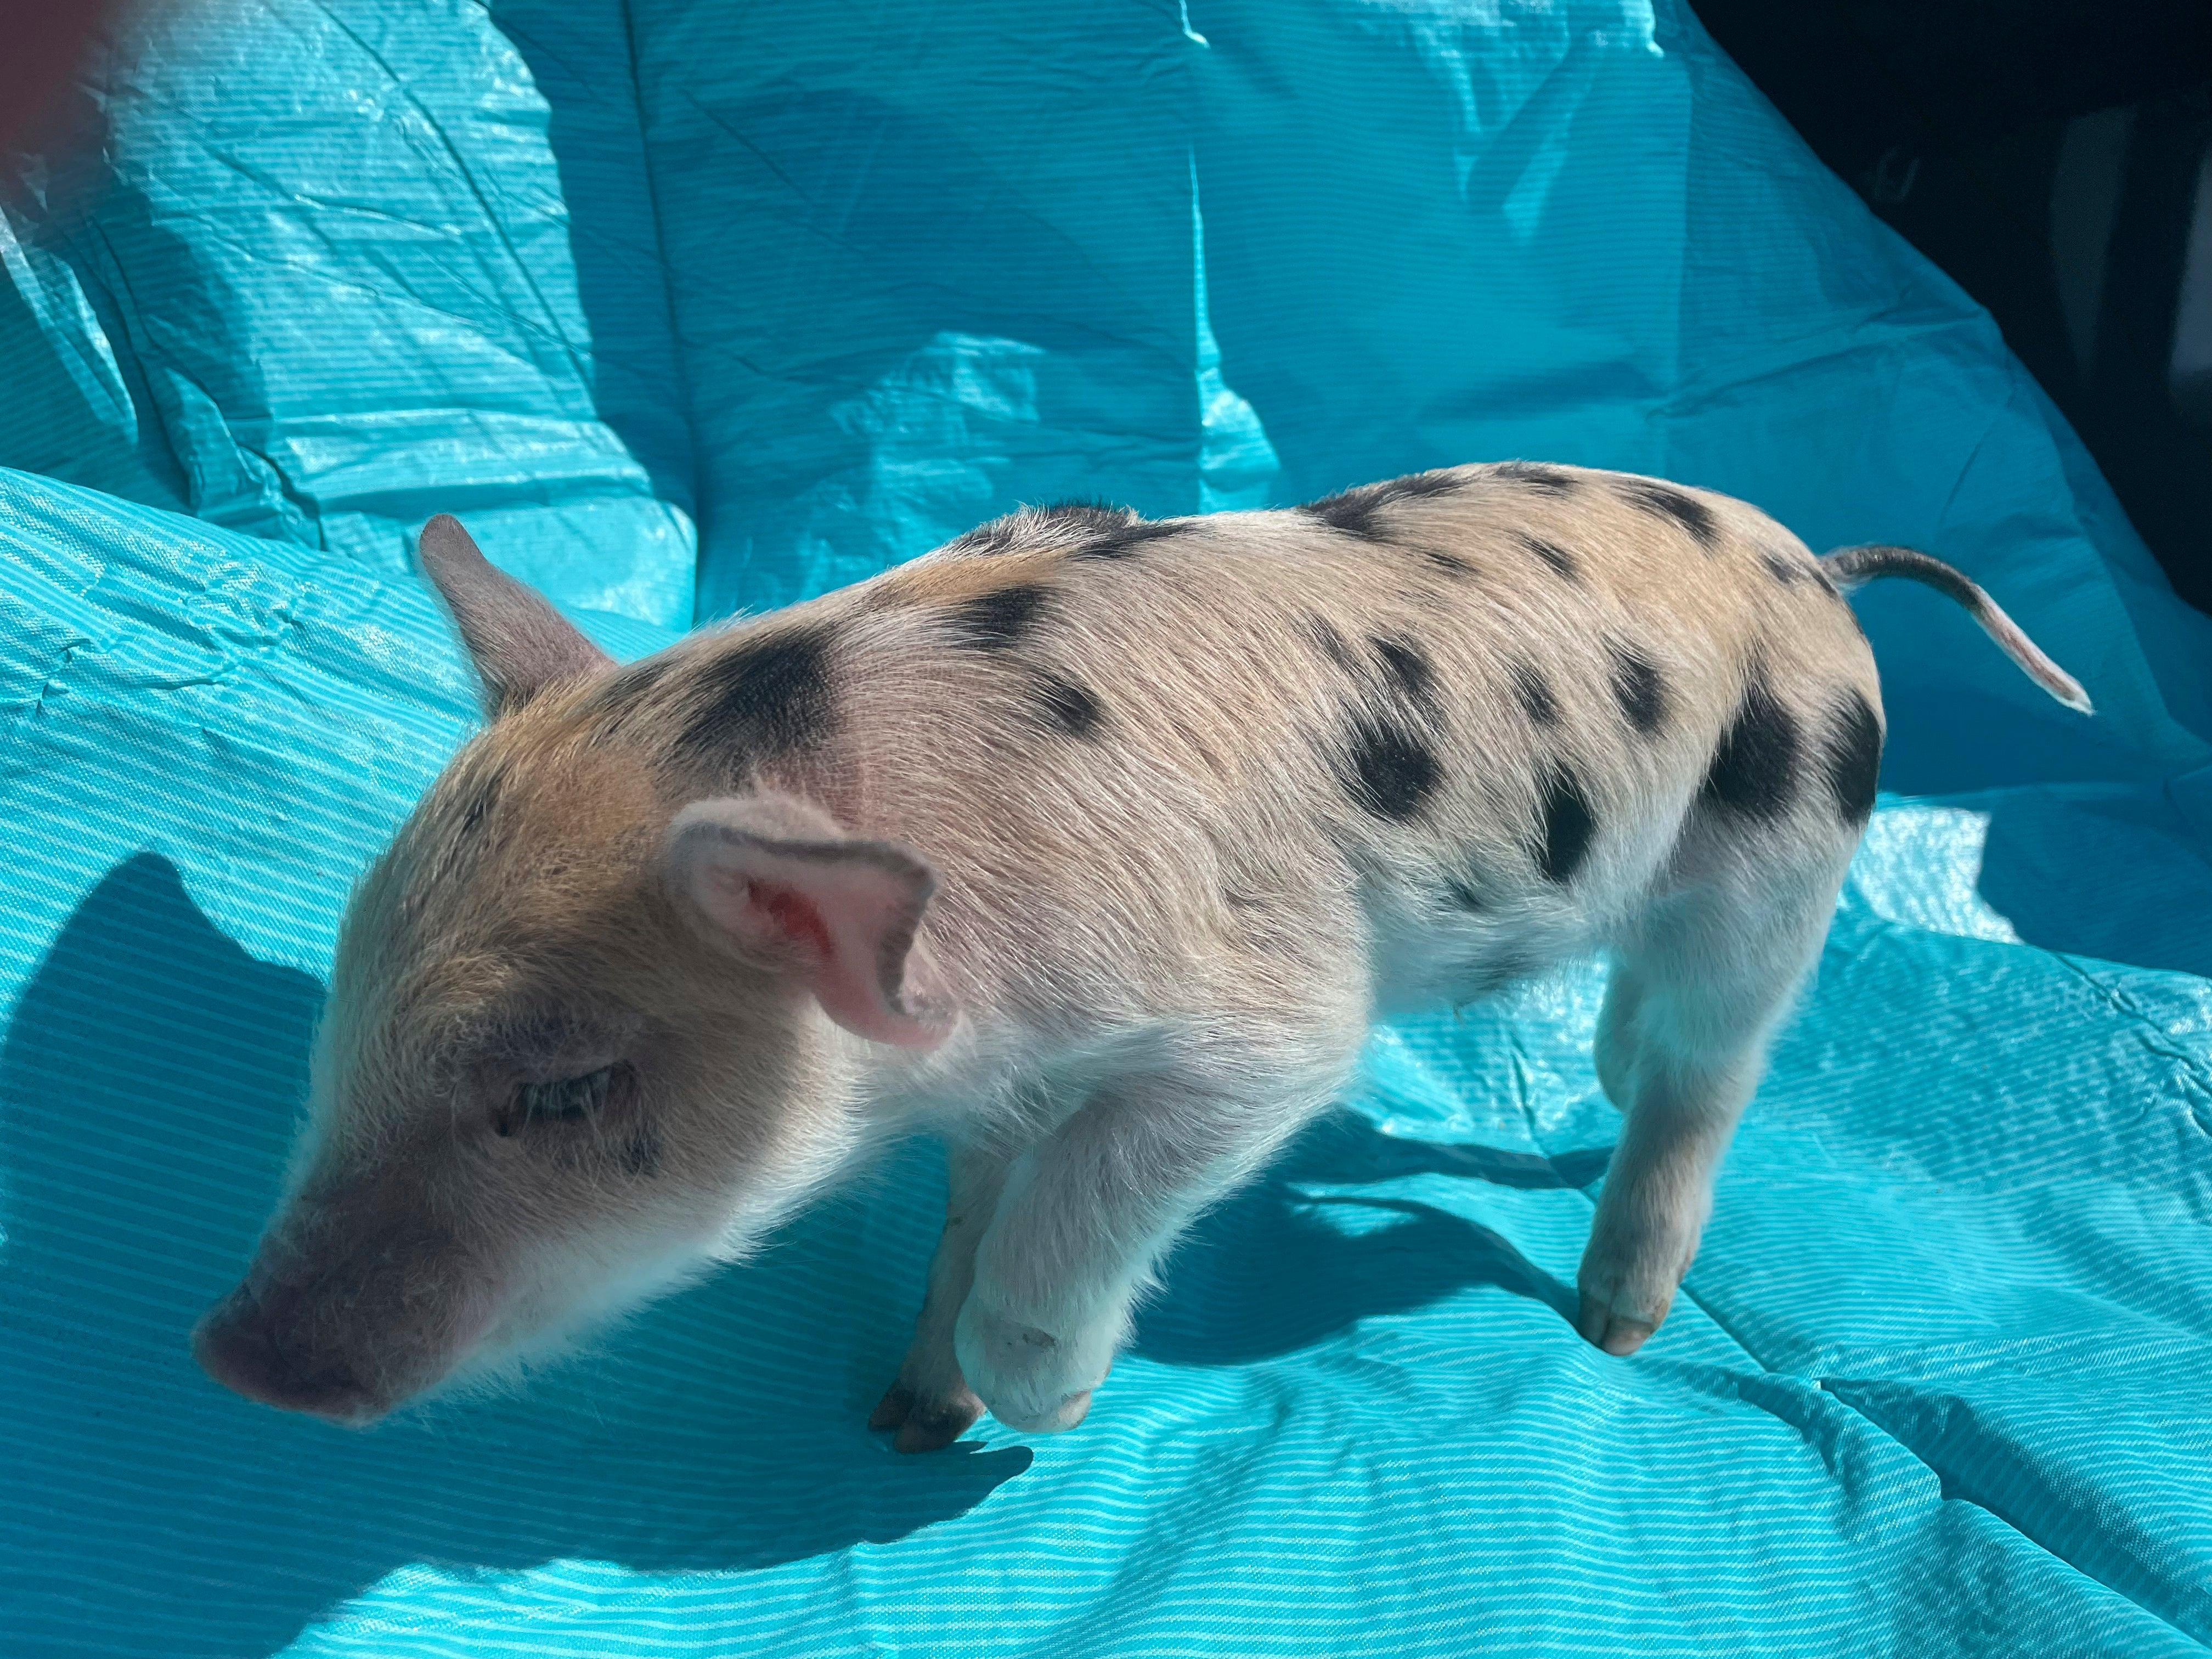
(565, 1100)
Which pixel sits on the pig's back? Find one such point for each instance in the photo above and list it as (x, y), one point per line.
(1457, 721)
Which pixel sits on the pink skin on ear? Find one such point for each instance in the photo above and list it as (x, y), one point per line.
(842, 913)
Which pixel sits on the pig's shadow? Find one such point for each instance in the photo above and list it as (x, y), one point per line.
(148, 1089)
(1269, 1271)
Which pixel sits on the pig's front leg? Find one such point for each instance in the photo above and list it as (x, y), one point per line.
(931, 1405)
(1086, 1214)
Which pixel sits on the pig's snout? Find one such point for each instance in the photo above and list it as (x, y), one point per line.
(258, 1343)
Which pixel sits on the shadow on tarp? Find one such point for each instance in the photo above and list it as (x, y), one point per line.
(148, 1087)
(1277, 1268)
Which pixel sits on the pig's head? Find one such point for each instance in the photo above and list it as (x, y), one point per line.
(576, 1047)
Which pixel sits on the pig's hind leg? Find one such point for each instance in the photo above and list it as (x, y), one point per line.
(931, 1404)
(1700, 985)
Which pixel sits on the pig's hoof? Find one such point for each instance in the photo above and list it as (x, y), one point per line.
(1034, 1382)
(925, 1424)
(1603, 1328)
(1626, 1294)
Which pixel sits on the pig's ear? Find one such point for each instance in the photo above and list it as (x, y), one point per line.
(775, 881)
(518, 643)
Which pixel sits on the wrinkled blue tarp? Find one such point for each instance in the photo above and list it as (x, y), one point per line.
(692, 307)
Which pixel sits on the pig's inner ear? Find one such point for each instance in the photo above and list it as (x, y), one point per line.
(518, 643)
(773, 880)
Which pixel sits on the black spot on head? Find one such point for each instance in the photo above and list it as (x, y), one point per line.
(1638, 687)
(1561, 562)
(1001, 617)
(1687, 512)
(1534, 693)
(1754, 771)
(1066, 707)
(1408, 671)
(762, 697)
(618, 695)
(1569, 827)
(1355, 512)
(1388, 768)
(1549, 479)
(1331, 643)
(1852, 763)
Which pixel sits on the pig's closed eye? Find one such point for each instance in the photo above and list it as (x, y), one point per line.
(569, 1099)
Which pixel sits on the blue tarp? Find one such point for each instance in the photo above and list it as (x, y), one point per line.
(690, 308)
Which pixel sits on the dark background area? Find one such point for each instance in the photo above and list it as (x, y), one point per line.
(2050, 155)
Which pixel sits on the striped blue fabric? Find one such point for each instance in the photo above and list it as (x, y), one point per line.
(702, 308)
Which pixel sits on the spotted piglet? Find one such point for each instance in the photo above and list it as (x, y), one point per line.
(1093, 844)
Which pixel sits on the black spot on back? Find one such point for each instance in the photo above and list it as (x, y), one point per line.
(1638, 687)
(1569, 826)
(1787, 571)
(1533, 692)
(1331, 643)
(1408, 669)
(1355, 512)
(1122, 540)
(1451, 563)
(1388, 768)
(1561, 562)
(764, 697)
(1001, 617)
(1465, 892)
(1686, 511)
(1066, 707)
(1549, 479)
(1754, 771)
(1852, 760)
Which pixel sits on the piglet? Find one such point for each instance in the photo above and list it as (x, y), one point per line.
(1092, 845)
